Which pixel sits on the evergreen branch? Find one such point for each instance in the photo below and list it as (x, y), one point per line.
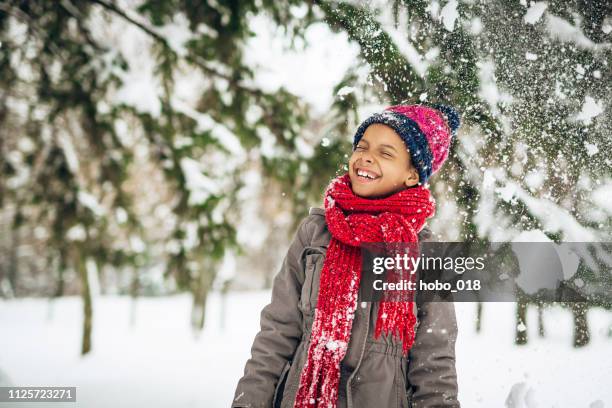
(195, 59)
(29, 21)
(377, 47)
(116, 10)
(79, 18)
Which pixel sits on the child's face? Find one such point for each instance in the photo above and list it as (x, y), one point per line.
(382, 154)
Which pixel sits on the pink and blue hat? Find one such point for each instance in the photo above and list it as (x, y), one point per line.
(427, 131)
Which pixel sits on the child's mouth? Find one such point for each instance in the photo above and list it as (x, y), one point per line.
(366, 177)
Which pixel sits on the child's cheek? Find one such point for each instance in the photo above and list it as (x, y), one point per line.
(351, 161)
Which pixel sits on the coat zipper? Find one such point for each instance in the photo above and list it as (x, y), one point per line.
(349, 397)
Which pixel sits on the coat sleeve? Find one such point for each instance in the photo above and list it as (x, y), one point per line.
(431, 365)
(281, 329)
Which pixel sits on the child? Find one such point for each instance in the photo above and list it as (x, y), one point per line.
(319, 344)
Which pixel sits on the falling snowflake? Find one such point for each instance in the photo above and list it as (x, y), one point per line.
(590, 109)
(591, 148)
(535, 12)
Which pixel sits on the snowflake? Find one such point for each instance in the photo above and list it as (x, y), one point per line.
(591, 148)
(334, 345)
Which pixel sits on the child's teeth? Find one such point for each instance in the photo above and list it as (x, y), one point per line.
(364, 174)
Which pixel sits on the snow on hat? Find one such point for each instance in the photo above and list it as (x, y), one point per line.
(427, 131)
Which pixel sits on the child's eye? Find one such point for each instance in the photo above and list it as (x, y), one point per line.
(387, 154)
(359, 148)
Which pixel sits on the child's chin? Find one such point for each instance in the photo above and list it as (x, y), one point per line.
(360, 192)
(372, 193)
(367, 193)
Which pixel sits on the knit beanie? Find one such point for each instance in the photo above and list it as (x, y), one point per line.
(427, 131)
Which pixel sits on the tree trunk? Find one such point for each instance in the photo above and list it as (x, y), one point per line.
(102, 276)
(52, 266)
(13, 265)
(223, 315)
(200, 295)
(59, 289)
(521, 323)
(478, 316)
(541, 331)
(87, 303)
(581, 324)
(134, 290)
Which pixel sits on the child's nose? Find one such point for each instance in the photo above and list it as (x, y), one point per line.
(366, 157)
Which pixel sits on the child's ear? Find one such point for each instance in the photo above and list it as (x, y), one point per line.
(412, 178)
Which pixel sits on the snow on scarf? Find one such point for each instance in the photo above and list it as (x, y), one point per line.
(353, 220)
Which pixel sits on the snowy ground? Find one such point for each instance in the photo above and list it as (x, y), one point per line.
(159, 363)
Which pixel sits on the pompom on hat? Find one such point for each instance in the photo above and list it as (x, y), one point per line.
(427, 131)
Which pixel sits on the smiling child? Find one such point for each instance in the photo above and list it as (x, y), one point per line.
(320, 344)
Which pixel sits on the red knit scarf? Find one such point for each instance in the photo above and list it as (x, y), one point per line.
(353, 220)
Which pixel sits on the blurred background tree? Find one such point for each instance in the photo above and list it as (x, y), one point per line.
(132, 162)
(76, 138)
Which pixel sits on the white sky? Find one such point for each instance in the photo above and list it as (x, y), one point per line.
(311, 73)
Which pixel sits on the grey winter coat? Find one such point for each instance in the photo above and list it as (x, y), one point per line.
(373, 373)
